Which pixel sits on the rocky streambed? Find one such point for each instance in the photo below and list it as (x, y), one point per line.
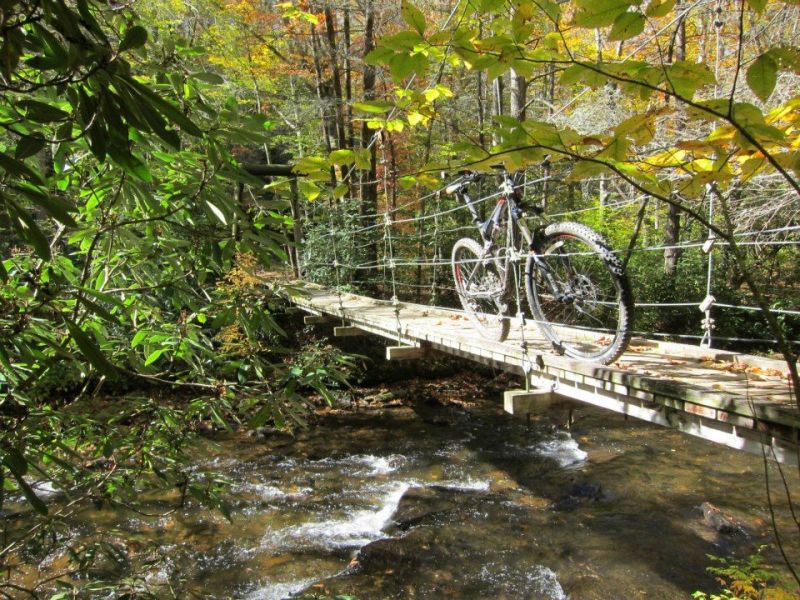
(426, 489)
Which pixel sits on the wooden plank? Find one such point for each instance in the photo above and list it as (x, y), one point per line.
(405, 352)
(348, 331)
(522, 402)
(315, 320)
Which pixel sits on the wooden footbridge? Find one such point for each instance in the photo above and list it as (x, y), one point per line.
(738, 400)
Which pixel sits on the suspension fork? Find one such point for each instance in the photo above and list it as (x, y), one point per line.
(541, 266)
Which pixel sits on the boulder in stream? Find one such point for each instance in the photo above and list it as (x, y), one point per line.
(389, 554)
(424, 504)
(720, 521)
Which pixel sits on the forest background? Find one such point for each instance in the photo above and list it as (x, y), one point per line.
(135, 235)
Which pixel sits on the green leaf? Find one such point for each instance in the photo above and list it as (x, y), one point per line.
(766, 133)
(154, 356)
(18, 168)
(132, 165)
(311, 164)
(762, 76)
(639, 128)
(57, 208)
(599, 13)
(788, 58)
(413, 16)
(627, 25)
(90, 350)
(41, 112)
(15, 461)
(138, 338)
(28, 229)
(342, 157)
(28, 146)
(162, 105)
(261, 417)
(376, 107)
(217, 212)
(687, 77)
(379, 56)
(363, 158)
(403, 41)
(209, 77)
(550, 8)
(747, 114)
(402, 66)
(309, 189)
(585, 169)
(98, 310)
(757, 5)
(659, 8)
(135, 37)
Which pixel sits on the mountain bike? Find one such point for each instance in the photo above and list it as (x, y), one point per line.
(576, 287)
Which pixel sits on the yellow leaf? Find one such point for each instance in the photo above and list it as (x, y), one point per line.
(415, 118)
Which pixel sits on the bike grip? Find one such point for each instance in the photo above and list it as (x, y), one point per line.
(453, 188)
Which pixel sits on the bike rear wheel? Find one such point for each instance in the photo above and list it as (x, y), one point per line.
(580, 296)
(481, 285)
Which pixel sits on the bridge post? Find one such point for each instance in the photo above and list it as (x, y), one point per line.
(522, 402)
(315, 320)
(405, 352)
(346, 331)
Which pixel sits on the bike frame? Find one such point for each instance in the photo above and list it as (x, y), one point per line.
(507, 204)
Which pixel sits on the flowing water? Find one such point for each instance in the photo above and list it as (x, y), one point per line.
(459, 501)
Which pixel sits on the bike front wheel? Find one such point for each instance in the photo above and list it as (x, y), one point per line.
(481, 285)
(579, 294)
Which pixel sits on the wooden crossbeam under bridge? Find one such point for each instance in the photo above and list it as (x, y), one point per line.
(738, 400)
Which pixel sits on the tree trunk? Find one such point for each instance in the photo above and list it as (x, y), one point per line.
(497, 102)
(321, 95)
(297, 229)
(672, 232)
(481, 112)
(480, 99)
(330, 29)
(348, 79)
(519, 88)
(369, 190)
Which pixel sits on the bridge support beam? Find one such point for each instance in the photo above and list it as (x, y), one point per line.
(347, 331)
(523, 403)
(315, 320)
(533, 402)
(405, 352)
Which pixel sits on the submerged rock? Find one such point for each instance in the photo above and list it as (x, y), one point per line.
(578, 494)
(389, 554)
(425, 504)
(719, 521)
(266, 433)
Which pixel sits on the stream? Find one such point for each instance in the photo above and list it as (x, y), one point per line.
(429, 490)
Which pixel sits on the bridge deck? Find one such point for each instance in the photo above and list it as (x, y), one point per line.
(738, 400)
